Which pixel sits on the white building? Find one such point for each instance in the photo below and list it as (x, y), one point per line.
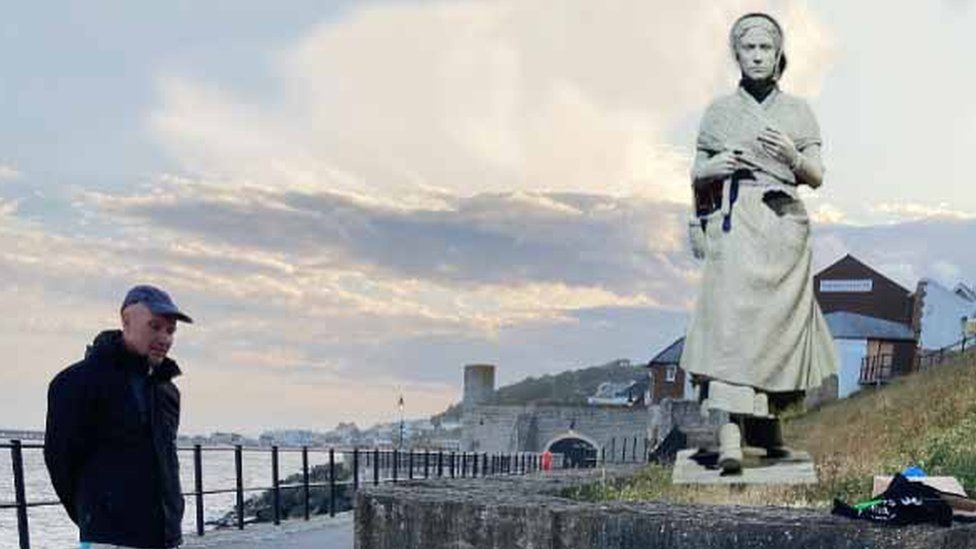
(944, 315)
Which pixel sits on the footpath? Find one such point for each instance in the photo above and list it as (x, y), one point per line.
(319, 533)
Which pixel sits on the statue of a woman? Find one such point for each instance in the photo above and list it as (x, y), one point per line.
(757, 339)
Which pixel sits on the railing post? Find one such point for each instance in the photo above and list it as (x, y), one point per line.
(410, 465)
(453, 456)
(426, 463)
(603, 454)
(276, 489)
(307, 496)
(440, 463)
(484, 464)
(239, 477)
(198, 485)
(355, 469)
(376, 466)
(20, 495)
(474, 465)
(464, 464)
(332, 483)
(396, 464)
(613, 449)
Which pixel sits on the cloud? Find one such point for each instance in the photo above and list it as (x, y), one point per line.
(632, 247)
(8, 207)
(827, 213)
(911, 211)
(475, 97)
(8, 172)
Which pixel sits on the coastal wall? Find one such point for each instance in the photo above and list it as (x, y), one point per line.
(530, 513)
(533, 428)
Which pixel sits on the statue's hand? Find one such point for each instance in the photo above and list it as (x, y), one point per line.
(720, 166)
(779, 146)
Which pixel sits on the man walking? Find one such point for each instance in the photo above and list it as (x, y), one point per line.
(110, 441)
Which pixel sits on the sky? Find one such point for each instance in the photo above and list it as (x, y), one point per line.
(355, 199)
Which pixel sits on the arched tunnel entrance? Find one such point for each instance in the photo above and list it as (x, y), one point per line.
(577, 453)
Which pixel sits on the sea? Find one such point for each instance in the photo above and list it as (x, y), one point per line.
(50, 527)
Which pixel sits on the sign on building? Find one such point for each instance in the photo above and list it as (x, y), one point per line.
(859, 286)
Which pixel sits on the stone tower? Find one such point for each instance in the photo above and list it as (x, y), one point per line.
(479, 384)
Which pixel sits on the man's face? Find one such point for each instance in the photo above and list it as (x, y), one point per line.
(757, 54)
(147, 334)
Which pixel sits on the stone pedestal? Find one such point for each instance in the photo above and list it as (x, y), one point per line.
(756, 470)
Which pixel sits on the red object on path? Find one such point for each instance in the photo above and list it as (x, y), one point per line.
(546, 460)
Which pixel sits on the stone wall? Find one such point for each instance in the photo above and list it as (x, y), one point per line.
(684, 414)
(529, 513)
(531, 428)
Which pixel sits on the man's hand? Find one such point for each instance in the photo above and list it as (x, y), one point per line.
(779, 146)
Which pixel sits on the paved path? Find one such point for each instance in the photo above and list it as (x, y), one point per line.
(318, 533)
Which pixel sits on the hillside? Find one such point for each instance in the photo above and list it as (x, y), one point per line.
(565, 388)
(928, 419)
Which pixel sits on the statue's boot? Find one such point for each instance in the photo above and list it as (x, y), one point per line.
(766, 433)
(730, 449)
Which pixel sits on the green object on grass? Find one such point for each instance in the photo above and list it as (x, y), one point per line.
(867, 504)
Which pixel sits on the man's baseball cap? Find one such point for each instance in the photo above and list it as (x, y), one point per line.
(156, 300)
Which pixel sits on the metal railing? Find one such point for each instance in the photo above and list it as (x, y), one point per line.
(385, 466)
(876, 369)
(926, 359)
(610, 452)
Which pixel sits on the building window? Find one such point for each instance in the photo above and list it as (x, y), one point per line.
(671, 374)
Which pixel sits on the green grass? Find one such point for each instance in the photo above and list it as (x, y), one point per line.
(926, 419)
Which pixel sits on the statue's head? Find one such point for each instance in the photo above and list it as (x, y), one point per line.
(757, 44)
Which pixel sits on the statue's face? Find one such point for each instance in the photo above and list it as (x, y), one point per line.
(756, 52)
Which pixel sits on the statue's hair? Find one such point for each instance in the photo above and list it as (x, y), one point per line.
(739, 28)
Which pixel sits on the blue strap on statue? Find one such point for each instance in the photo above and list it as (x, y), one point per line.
(729, 196)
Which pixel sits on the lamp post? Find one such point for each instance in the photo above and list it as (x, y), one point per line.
(400, 406)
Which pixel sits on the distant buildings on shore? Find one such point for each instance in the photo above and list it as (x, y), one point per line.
(418, 433)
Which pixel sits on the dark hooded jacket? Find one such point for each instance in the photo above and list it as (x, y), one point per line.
(110, 446)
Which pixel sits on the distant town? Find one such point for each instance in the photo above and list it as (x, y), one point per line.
(421, 433)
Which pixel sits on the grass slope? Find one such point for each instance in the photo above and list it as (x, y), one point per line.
(926, 419)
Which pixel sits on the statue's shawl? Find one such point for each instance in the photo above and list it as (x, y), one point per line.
(734, 122)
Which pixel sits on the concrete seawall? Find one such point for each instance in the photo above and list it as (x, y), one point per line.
(528, 513)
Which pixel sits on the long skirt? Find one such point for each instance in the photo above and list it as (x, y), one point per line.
(756, 321)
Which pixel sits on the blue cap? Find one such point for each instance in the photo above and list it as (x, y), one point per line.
(156, 300)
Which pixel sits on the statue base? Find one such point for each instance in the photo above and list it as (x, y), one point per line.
(694, 466)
